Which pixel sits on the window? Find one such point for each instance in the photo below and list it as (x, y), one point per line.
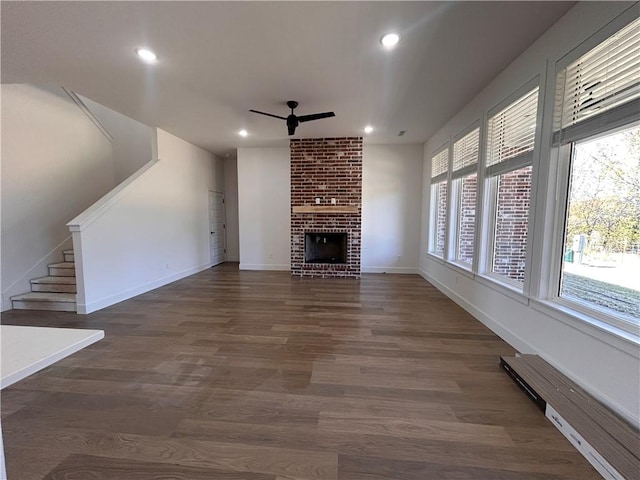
(464, 191)
(439, 170)
(597, 135)
(601, 261)
(511, 135)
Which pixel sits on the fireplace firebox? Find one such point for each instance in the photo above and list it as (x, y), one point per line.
(323, 247)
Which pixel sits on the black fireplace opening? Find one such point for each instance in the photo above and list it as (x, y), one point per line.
(322, 247)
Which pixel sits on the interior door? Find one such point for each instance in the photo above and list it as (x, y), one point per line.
(216, 228)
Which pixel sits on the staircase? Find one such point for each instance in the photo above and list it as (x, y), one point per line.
(55, 292)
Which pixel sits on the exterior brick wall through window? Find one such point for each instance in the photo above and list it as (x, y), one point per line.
(512, 218)
(469, 187)
(441, 218)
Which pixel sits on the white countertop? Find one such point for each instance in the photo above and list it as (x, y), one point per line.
(26, 350)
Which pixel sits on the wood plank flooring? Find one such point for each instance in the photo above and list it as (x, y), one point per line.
(261, 376)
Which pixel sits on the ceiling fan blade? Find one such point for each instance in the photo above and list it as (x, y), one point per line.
(291, 129)
(268, 114)
(315, 116)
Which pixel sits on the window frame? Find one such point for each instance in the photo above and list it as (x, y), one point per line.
(548, 300)
(455, 190)
(565, 154)
(488, 177)
(444, 177)
(456, 210)
(433, 220)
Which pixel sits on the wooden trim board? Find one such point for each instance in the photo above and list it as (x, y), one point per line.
(323, 209)
(581, 417)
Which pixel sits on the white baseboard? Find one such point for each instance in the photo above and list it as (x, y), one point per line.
(523, 346)
(515, 341)
(399, 270)
(265, 266)
(104, 302)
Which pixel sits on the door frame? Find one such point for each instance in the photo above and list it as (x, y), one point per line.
(213, 193)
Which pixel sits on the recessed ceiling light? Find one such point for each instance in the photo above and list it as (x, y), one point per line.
(390, 40)
(368, 129)
(243, 133)
(147, 55)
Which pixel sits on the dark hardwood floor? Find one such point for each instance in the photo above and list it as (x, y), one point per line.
(261, 376)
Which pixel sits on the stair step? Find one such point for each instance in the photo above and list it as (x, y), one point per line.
(61, 302)
(68, 255)
(54, 284)
(49, 306)
(53, 288)
(58, 280)
(63, 265)
(62, 269)
(46, 297)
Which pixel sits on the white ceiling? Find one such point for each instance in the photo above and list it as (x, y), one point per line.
(219, 59)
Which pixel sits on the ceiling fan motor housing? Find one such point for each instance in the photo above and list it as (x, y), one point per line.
(292, 121)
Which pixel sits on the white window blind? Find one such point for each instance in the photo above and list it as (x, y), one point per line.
(465, 153)
(512, 130)
(605, 78)
(440, 165)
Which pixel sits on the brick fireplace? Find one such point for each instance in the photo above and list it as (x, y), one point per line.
(328, 169)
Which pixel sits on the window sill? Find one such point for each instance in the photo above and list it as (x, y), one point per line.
(436, 258)
(462, 269)
(491, 282)
(614, 336)
(507, 289)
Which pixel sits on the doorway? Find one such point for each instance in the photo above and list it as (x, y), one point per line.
(216, 228)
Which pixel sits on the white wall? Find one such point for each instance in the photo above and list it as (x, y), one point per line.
(231, 209)
(391, 202)
(391, 195)
(55, 163)
(153, 232)
(133, 142)
(264, 208)
(605, 364)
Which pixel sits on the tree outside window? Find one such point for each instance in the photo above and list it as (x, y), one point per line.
(601, 263)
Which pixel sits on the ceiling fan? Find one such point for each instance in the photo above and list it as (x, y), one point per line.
(293, 120)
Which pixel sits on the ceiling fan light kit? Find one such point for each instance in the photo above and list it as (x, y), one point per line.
(293, 120)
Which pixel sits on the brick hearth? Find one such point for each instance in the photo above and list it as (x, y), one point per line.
(326, 168)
